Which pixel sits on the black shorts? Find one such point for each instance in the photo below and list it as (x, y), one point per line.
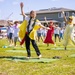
(56, 35)
(10, 35)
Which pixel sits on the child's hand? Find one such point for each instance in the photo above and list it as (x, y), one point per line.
(62, 12)
(21, 4)
(47, 28)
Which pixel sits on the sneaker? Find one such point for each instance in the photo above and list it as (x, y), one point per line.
(28, 57)
(39, 56)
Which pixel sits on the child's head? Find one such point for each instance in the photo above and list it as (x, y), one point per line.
(56, 25)
(16, 22)
(10, 23)
(70, 19)
(33, 14)
(51, 23)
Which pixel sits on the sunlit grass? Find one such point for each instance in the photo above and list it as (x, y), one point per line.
(64, 66)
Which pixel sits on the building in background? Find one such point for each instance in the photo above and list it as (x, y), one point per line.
(54, 14)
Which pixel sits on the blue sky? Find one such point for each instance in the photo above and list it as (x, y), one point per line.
(13, 6)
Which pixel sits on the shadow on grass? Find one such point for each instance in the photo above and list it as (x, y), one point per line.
(14, 57)
(25, 59)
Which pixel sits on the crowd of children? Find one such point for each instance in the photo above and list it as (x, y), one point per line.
(31, 30)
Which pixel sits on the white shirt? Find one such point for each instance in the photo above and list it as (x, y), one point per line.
(62, 31)
(57, 30)
(10, 29)
(16, 30)
(39, 30)
(32, 21)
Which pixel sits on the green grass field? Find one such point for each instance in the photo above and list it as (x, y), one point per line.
(64, 66)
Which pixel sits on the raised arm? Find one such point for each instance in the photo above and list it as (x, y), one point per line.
(64, 16)
(22, 11)
(9, 23)
(42, 26)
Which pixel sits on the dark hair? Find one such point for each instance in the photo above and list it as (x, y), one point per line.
(32, 11)
(16, 22)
